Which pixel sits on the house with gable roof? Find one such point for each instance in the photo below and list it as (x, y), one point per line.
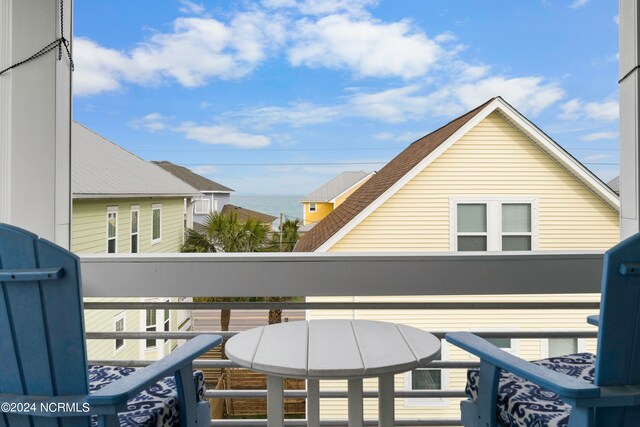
(213, 197)
(324, 199)
(488, 181)
(124, 204)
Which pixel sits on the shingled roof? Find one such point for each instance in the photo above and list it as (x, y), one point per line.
(193, 179)
(244, 214)
(381, 182)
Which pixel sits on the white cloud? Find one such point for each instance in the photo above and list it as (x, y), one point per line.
(608, 110)
(153, 122)
(189, 7)
(222, 135)
(322, 7)
(598, 136)
(596, 157)
(577, 4)
(97, 69)
(197, 50)
(367, 47)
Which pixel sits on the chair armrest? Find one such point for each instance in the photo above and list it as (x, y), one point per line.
(118, 392)
(556, 382)
(594, 320)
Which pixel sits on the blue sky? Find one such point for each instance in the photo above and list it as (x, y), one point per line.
(278, 96)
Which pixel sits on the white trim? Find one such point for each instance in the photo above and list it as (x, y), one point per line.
(534, 135)
(494, 219)
(134, 208)
(111, 210)
(6, 31)
(544, 347)
(412, 402)
(354, 185)
(118, 317)
(315, 206)
(156, 206)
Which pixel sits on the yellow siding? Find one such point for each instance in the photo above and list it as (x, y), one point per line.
(89, 228)
(492, 159)
(322, 210)
(344, 196)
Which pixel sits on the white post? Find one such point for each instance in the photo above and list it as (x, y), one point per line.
(35, 120)
(629, 119)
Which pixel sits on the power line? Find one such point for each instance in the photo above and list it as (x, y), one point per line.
(284, 164)
(284, 150)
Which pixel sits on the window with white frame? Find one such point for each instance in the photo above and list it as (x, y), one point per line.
(150, 322)
(156, 223)
(201, 206)
(119, 326)
(427, 379)
(135, 229)
(167, 321)
(312, 207)
(562, 346)
(501, 224)
(112, 229)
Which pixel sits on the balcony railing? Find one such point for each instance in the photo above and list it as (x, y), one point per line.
(343, 275)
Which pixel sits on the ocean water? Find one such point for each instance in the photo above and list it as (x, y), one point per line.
(290, 206)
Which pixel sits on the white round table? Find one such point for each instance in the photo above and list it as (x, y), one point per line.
(332, 349)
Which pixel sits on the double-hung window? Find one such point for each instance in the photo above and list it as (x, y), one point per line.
(312, 207)
(112, 229)
(156, 223)
(201, 207)
(493, 224)
(135, 229)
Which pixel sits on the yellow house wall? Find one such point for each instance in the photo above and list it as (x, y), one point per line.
(89, 228)
(322, 210)
(491, 159)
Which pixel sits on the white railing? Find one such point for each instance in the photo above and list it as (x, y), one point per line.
(340, 275)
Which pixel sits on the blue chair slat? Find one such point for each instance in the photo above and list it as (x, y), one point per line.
(42, 341)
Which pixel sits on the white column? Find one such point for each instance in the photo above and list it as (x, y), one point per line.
(386, 400)
(356, 403)
(629, 119)
(35, 120)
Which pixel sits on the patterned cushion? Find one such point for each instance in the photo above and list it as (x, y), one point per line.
(522, 403)
(155, 406)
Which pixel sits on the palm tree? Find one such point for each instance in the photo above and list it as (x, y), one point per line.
(225, 233)
(285, 240)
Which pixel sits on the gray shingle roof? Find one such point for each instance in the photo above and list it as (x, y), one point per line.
(244, 214)
(193, 179)
(335, 186)
(102, 169)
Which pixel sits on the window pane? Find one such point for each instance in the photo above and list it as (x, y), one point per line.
(516, 217)
(516, 243)
(472, 218)
(426, 379)
(111, 246)
(134, 221)
(156, 224)
(151, 317)
(562, 346)
(472, 243)
(500, 342)
(167, 321)
(134, 244)
(111, 220)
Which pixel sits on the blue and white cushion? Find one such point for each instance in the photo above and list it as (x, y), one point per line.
(525, 404)
(154, 407)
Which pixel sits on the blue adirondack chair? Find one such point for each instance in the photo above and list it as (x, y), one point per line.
(573, 390)
(44, 380)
